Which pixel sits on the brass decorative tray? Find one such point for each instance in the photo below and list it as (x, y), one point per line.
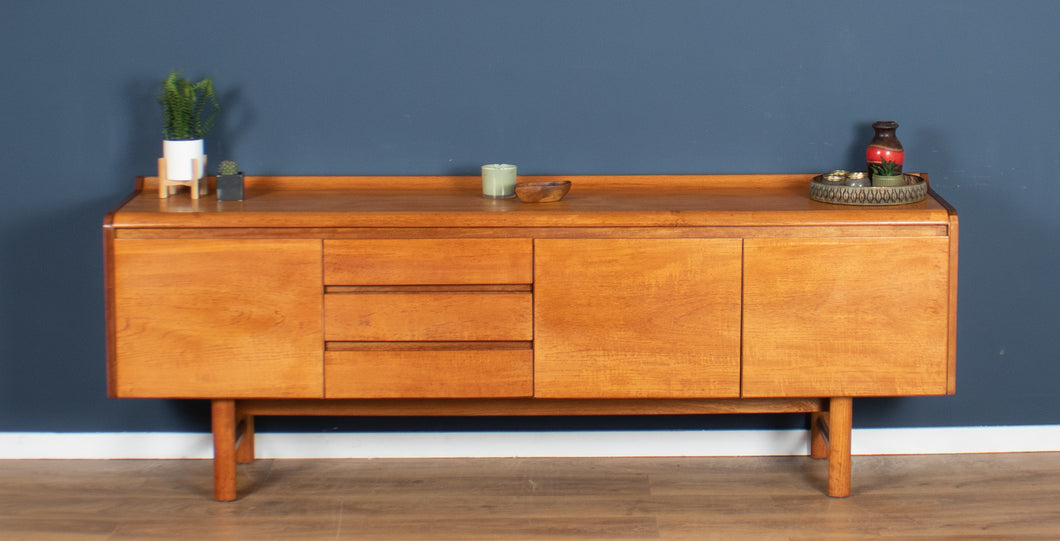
(915, 189)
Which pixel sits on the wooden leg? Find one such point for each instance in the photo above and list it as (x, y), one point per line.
(224, 450)
(204, 186)
(193, 186)
(245, 447)
(163, 181)
(840, 422)
(819, 434)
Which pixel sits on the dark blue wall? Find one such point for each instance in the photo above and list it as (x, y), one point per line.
(556, 86)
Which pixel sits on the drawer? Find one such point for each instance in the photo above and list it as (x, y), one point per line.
(428, 261)
(412, 373)
(396, 316)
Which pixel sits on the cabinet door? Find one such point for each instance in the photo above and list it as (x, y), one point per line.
(636, 318)
(197, 318)
(845, 317)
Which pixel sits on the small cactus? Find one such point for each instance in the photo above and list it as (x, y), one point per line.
(228, 167)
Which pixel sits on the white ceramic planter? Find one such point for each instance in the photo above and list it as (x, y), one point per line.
(179, 156)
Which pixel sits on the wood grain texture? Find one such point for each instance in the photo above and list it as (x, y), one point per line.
(534, 406)
(449, 373)
(938, 497)
(428, 261)
(423, 316)
(846, 317)
(839, 419)
(628, 318)
(630, 289)
(110, 322)
(223, 427)
(594, 201)
(205, 318)
(864, 229)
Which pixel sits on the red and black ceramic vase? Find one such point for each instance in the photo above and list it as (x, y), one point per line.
(884, 146)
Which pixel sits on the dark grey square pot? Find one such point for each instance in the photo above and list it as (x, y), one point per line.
(230, 187)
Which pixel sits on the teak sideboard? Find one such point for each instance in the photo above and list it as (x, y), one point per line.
(658, 294)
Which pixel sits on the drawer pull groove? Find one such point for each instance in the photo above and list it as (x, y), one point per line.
(428, 346)
(440, 288)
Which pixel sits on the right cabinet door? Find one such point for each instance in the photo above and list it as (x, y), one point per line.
(845, 317)
(636, 318)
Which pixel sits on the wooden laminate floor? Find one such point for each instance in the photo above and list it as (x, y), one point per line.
(988, 496)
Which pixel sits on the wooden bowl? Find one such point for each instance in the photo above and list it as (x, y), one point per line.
(542, 192)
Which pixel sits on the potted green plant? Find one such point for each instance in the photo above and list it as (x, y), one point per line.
(229, 181)
(887, 173)
(189, 110)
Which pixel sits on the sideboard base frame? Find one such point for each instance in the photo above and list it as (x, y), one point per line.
(233, 422)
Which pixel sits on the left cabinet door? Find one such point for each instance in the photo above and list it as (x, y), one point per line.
(206, 318)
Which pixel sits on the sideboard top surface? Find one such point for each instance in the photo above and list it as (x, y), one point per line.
(454, 201)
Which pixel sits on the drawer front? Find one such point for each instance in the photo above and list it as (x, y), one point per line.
(428, 261)
(394, 316)
(429, 374)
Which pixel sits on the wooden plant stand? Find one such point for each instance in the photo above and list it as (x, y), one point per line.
(198, 185)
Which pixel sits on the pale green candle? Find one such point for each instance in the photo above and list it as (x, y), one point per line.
(498, 181)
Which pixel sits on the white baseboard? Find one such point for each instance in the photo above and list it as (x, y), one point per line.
(176, 445)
